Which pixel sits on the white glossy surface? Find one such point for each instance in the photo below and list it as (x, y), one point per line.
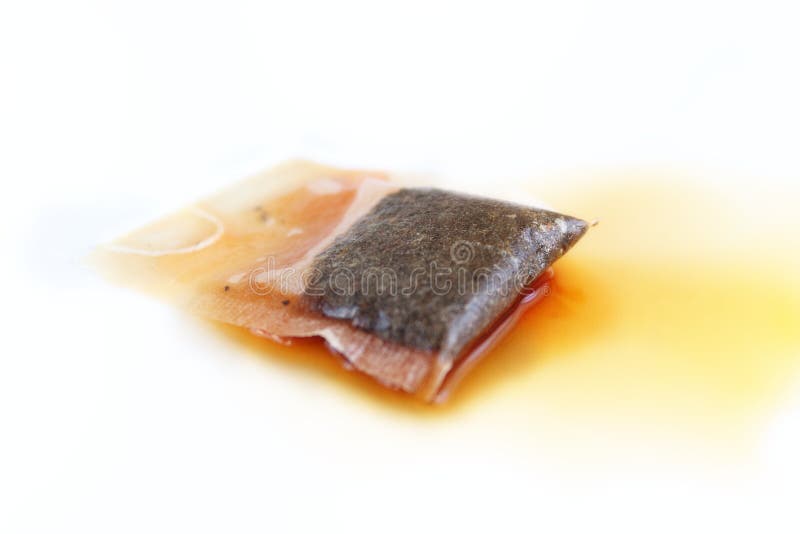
(118, 414)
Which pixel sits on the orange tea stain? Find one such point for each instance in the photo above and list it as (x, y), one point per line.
(679, 314)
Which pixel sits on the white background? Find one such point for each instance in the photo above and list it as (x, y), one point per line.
(112, 113)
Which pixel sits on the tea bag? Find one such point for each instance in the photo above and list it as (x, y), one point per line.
(408, 285)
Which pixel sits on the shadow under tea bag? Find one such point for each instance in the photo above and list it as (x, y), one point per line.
(410, 286)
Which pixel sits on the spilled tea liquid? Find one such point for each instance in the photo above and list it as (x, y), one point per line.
(676, 321)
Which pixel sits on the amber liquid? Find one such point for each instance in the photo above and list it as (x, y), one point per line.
(676, 318)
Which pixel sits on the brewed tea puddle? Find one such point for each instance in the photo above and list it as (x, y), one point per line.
(676, 317)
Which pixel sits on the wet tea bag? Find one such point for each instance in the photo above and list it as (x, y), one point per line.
(408, 285)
